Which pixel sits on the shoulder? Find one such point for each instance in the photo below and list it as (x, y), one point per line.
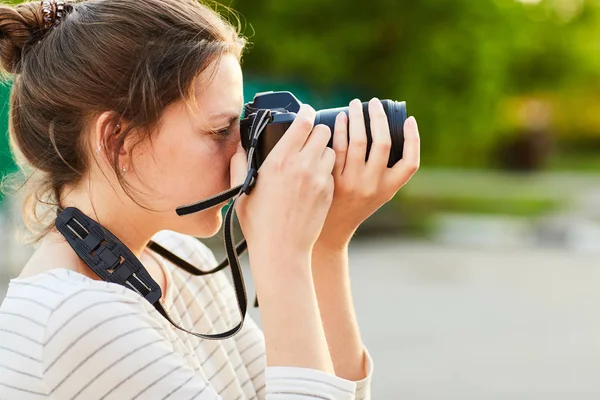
(65, 294)
(62, 304)
(54, 287)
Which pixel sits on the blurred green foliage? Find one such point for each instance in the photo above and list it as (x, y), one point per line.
(6, 163)
(466, 68)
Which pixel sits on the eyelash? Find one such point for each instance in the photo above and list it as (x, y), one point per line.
(221, 133)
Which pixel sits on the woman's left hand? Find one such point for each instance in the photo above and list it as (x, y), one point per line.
(362, 187)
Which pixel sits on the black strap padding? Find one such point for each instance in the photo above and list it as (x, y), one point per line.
(105, 254)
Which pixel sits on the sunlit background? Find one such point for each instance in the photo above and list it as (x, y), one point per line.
(481, 279)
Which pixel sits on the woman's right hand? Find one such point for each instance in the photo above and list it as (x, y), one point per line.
(281, 220)
(294, 190)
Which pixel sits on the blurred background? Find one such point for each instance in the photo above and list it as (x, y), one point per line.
(481, 279)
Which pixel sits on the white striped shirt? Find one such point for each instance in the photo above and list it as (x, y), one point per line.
(66, 336)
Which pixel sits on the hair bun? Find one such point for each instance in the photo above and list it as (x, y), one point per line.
(17, 25)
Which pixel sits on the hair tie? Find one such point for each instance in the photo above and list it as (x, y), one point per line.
(53, 12)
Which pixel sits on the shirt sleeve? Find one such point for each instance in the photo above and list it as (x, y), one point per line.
(363, 387)
(105, 345)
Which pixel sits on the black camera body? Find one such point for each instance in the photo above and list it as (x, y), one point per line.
(284, 107)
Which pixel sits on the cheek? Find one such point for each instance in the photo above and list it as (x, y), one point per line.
(204, 172)
(182, 173)
(222, 150)
(169, 169)
(221, 159)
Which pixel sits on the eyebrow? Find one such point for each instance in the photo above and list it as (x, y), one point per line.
(226, 116)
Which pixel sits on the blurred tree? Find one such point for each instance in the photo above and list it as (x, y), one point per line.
(452, 61)
(464, 67)
(6, 163)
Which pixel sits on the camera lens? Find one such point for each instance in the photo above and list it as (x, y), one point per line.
(396, 113)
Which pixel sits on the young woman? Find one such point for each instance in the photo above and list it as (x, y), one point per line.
(126, 110)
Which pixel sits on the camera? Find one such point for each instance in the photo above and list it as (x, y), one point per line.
(284, 106)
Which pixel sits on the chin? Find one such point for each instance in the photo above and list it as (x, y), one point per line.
(205, 225)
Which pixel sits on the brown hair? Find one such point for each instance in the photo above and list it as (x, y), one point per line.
(129, 57)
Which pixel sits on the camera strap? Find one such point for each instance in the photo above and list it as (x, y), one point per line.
(113, 262)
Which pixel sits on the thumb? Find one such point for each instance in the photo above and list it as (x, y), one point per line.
(238, 167)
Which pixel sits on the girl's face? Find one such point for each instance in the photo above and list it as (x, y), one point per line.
(188, 160)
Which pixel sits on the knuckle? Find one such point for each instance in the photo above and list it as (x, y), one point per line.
(317, 184)
(360, 141)
(342, 186)
(369, 192)
(411, 169)
(415, 139)
(414, 167)
(340, 151)
(276, 162)
(304, 122)
(351, 188)
(304, 169)
(383, 145)
(340, 146)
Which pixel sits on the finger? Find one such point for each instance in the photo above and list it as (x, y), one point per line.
(357, 148)
(409, 164)
(317, 142)
(328, 160)
(238, 167)
(380, 133)
(297, 134)
(340, 143)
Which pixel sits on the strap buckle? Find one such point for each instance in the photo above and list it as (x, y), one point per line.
(105, 254)
(114, 264)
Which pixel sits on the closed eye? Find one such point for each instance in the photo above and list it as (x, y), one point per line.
(222, 132)
(225, 132)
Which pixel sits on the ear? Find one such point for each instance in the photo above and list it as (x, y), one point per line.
(107, 136)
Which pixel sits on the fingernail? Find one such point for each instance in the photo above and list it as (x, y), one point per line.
(412, 122)
(376, 103)
(342, 116)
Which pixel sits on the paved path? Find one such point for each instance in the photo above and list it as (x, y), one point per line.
(448, 323)
(463, 324)
(451, 323)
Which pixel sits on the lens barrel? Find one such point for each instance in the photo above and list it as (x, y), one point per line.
(284, 106)
(396, 113)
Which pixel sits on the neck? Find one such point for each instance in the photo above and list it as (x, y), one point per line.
(132, 225)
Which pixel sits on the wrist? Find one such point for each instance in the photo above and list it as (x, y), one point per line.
(329, 263)
(278, 246)
(332, 243)
(275, 261)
